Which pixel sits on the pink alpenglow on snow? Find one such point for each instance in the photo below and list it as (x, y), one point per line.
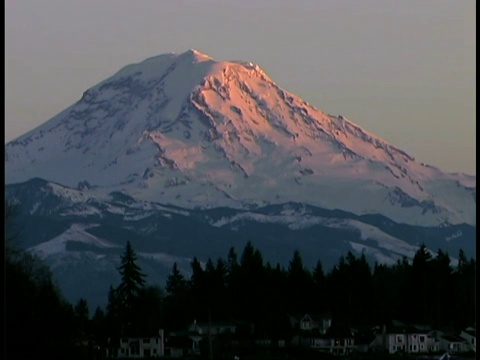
(187, 130)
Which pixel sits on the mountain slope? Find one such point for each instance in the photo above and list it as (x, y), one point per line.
(81, 234)
(190, 131)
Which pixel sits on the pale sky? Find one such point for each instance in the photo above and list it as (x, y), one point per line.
(402, 69)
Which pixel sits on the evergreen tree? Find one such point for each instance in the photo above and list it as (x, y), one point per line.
(441, 295)
(132, 277)
(113, 319)
(82, 325)
(300, 286)
(421, 286)
(361, 285)
(233, 284)
(149, 311)
(232, 261)
(82, 317)
(177, 315)
(464, 280)
(121, 300)
(251, 298)
(176, 283)
(197, 298)
(99, 329)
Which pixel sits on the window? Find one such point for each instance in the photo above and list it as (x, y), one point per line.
(422, 338)
(399, 338)
(394, 348)
(414, 347)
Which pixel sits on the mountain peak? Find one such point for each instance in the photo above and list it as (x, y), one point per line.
(197, 55)
(187, 130)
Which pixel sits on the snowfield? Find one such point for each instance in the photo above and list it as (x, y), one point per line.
(186, 130)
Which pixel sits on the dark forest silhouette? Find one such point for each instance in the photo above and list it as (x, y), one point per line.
(427, 290)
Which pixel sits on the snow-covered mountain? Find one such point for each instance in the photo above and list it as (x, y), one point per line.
(82, 232)
(189, 131)
(186, 156)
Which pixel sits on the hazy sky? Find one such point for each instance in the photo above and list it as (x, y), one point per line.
(402, 69)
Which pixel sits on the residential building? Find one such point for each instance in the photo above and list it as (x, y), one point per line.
(180, 344)
(470, 336)
(453, 344)
(399, 337)
(213, 328)
(311, 323)
(144, 347)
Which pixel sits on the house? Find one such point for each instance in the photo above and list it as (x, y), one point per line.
(453, 344)
(364, 338)
(180, 344)
(334, 341)
(469, 334)
(214, 328)
(311, 323)
(188, 343)
(399, 337)
(144, 347)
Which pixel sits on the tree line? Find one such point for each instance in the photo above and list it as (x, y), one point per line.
(427, 290)
(41, 323)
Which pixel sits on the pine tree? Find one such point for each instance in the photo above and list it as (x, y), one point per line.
(99, 327)
(131, 283)
(177, 313)
(132, 277)
(300, 285)
(319, 294)
(176, 283)
(421, 285)
(82, 316)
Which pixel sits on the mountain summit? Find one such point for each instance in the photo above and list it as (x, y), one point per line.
(186, 130)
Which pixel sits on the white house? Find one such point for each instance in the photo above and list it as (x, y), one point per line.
(182, 344)
(213, 328)
(470, 336)
(145, 347)
(453, 344)
(312, 323)
(340, 345)
(409, 339)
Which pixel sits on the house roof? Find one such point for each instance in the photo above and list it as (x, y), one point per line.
(453, 338)
(397, 327)
(365, 334)
(314, 317)
(213, 324)
(185, 333)
(470, 332)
